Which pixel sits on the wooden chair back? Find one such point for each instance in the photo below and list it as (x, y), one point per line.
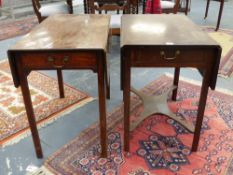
(113, 7)
(37, 6)
(100, 6)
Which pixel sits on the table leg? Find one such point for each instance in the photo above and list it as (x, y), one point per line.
(201, 109)
(102, 108)
(126, 98)
(122, 73)
(175, 83)
(207, 8)
(107, 79)
(220, 14)
(107, 82)
(30, 113)
(60, 83)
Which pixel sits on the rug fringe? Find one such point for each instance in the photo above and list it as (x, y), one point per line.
(27, 132)
(196, 82)
(41, 171)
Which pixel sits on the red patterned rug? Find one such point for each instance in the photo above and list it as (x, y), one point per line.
(15, 28)
(159, 145)
(46, 102)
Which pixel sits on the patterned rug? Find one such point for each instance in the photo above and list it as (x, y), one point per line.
(15, 28)
(159, 145)
(46, 102)
(225, 39)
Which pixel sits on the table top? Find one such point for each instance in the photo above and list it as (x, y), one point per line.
(164, 29)
(67, 31)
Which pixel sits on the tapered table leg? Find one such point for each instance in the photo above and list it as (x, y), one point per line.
(201, 109)
(60, 83)
(30, 113)
(122, 73)
(126, 98)
(175, 83)
(107, 78)
(102, 108)
(108, 87)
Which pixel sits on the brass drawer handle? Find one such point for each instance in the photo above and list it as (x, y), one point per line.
(65, 60)
(50, 59)
(163, 55)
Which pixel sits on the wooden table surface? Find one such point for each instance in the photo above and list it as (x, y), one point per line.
(164, 29)
(67, 32)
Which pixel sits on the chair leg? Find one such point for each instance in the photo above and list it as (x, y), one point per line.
(220, 14)
(187, 7)
(207, 9)
(60, 83)
(85, 6)
(143, 6)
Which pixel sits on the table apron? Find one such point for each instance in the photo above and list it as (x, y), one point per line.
(48, 61)
(168, 57)
(157, 64)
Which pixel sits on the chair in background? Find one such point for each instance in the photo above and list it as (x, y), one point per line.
(173, 6)
(219, 13)
(45, 10)
(184, 6)
(170, 6)
(115, 8)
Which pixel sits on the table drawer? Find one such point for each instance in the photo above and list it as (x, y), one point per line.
(59, 60)
(167, 57)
